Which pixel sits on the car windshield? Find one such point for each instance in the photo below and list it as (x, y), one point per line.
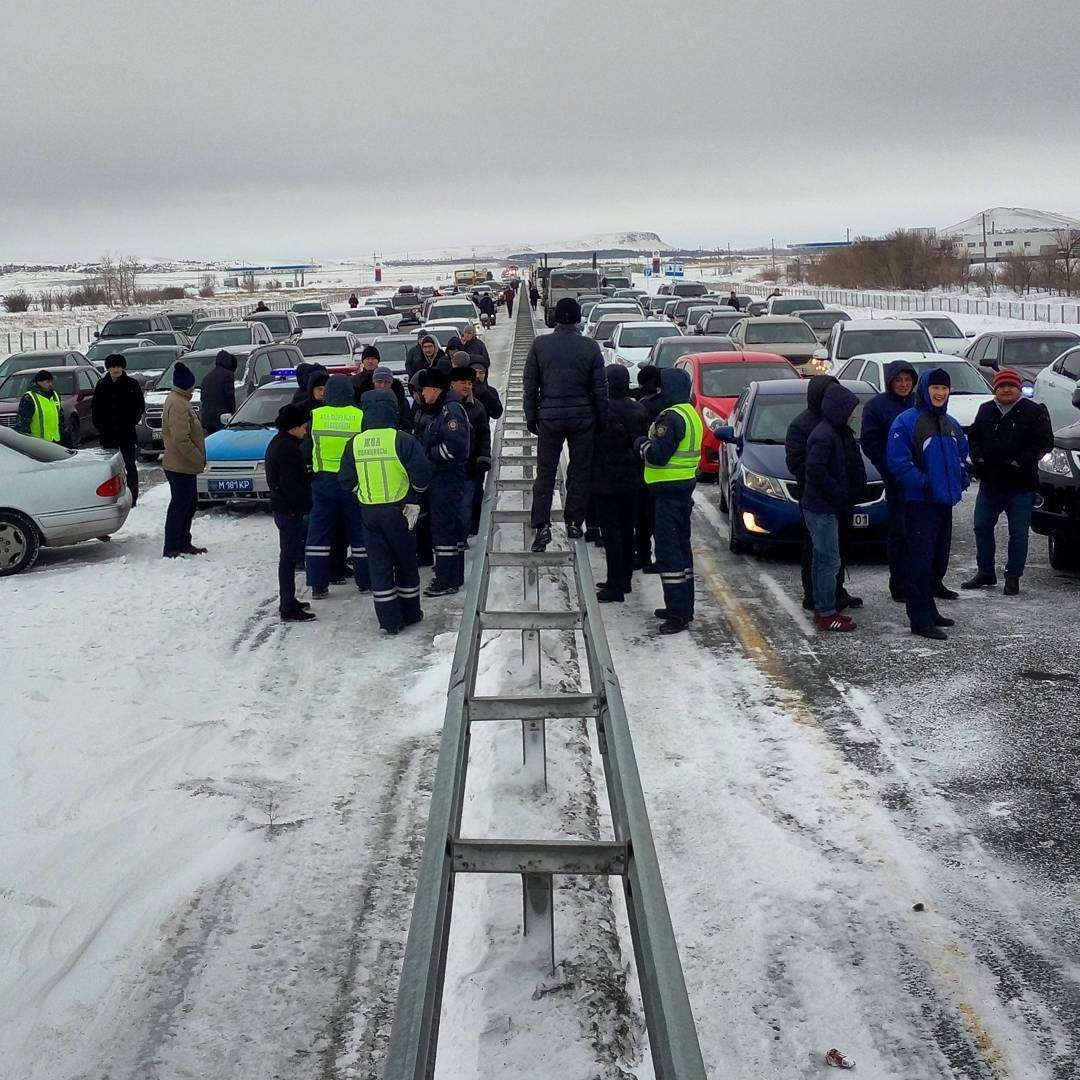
(941, 328)
(667, 352)
(787, 304)
(821, 320)
(307, 305)
(276, 324)
(393, 354)
(16, 385)
(777, 333)
(160, 337)
(857, 342)
(618, 281)
(772, 415)
(314, 320)
(261, 408)
(325, 346)
(125, 327)
(574, 279)
(215, 338)
(180, 321)
(23, 361)
(965, 379)
(730, 380)
(199, 325)
(688, 288)
(1035, 352)
(644, 337)
(381, 307)
(200, 366)
(149, 359)
(100, 349)
(605, 328)
(460, 310)
(364, 326)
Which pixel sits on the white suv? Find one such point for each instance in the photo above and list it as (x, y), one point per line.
(859, 337)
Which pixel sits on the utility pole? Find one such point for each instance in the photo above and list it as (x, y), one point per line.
(986, 257)
(772, 246)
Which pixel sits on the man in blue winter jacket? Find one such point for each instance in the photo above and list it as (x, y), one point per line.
(927, 457)
(877, 418)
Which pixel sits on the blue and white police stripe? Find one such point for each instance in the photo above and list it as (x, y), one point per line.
(385, 596)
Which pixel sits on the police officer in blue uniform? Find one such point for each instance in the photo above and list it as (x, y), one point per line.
(445, 441)
(384, 470)
(670, 452)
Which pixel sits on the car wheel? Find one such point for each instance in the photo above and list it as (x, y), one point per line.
(1064, 552)
(75, 431)
(20, 542)
(735, 545)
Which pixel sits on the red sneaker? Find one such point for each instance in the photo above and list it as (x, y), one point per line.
(835, 621)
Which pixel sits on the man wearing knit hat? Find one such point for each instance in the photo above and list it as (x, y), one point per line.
(183, 460)
(1007, 437)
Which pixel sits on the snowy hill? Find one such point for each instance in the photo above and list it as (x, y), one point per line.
(641, 242)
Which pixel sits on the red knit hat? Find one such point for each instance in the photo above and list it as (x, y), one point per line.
(1008, 375)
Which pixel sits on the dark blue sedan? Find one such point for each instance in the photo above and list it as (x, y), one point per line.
(756, 489)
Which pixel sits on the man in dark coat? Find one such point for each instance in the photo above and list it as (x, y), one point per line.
(364, 379)
(877, 418)
(217, 393)
(508, 300)
(116, 409)
(383, 379)
(471, 344)
(486, 306)
(462, 381)
(617, 482)
(534, 296)
(565, 400)
(289, 482)
(1007, 439)
(834, 479)
(484, 392)
(798, 433)
(733, 300)
(426, 354)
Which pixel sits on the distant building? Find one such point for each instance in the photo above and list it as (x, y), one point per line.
(1011, 230)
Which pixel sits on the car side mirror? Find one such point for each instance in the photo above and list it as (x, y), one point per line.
(990, 363)
(969, 333)
(96, 334)
(1076, 398)
(724, 433)
(609, 344)
(225, 418)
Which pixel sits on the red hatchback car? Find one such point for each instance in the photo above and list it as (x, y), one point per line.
(716, 380)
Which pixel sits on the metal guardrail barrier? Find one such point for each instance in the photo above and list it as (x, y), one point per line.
(630, 855)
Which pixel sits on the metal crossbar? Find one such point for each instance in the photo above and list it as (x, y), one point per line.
(630, 855)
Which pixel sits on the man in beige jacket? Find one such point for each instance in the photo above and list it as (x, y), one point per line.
(184, 459)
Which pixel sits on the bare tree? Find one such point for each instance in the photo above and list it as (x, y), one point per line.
(1067, 242)
(1019, 272)
(207, 285)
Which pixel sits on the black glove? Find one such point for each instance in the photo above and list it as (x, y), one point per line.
(533, 427)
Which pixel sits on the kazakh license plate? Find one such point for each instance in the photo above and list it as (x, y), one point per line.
(231, 487)
(860, 521)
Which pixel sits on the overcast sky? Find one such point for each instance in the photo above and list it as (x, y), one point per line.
(325, 130)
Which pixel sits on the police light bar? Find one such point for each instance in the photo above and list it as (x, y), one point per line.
(284, 373)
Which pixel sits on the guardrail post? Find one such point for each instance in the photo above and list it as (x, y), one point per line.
(538, 912)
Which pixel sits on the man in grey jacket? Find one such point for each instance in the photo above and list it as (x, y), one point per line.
(565, 401)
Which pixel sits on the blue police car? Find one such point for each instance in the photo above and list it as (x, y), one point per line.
(235, 467)
(756, 488)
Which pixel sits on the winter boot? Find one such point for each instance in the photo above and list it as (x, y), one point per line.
(1012, 584)
(979, 581)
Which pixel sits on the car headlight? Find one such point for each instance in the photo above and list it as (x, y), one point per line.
(711, 418)
(1056, 463)
(762, 484)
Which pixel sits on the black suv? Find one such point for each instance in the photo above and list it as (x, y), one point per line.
(1057, 505)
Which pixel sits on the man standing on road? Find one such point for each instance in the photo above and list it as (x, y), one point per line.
(380, 467)
(41, 413)
(733, 300)
(565, 400)
(927, 456)
(117, 408)
(487, 309)
(426, 354)
(471, 344)
(461, 383)
(364, 379)
(877, 418)
(534, 296)
(670, 452)
(217, 394)
(183, 460)
(508, 299)
(1007, 439)
(289, 482)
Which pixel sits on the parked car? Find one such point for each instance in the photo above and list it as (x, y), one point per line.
(366, 329)
(1057, 504)
(36, 359)
(948, 337)
(235, 455)
(693, 313)
(687, 288)
(228, 335)
(316, 320)
(451, 307)
(1055, 387)
(199, 325)
(51, 496)
(183, 320)
(858, 337)
(719, 320)
(783, 335)
(682, 307)
(102, 348)
(630, 342)
(667, 350)
(281, 324)
(756, 489)
(822, 322)
(75, 385)
(602, 329)
(298, 307)
(393, 350)
(655, 306)
(129, 326)
(1025, 351)
(255, 365)
(785, 305)
(756, 308)
(330, 347)
(969, 388)
(145, 366)
(168, 337)
(717, 380)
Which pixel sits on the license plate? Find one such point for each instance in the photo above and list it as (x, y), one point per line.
(230, 487)
(860, 521)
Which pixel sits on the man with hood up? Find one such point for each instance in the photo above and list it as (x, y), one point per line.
(877, 418)
(384, 469)
(461, 383)
(834, 479)
(426, 354)
(306, 383)
(333, 424)
(670, 452)
(927, 456)
(217, 393)
(472, 344)
(798, 433)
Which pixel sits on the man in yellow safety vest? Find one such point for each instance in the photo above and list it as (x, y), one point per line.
(41, 413)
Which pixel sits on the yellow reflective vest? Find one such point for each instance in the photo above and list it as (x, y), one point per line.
(682, 465)
(332, 426)
(380, 476)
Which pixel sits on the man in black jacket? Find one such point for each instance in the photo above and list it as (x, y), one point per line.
(116, 409)
(462, 382)
(290, 500)
(485, 393)
(471, 344)
(217, 394)
(617, 482)
(565, 400)
(1006, 440)
(426, 354)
